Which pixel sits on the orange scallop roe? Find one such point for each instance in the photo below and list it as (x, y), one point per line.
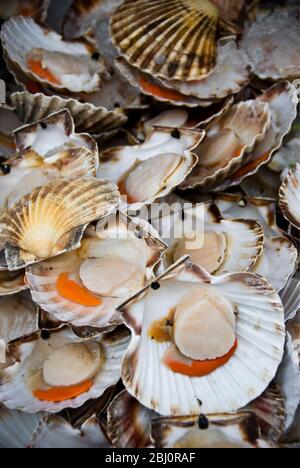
(157, 91)
(56, 395)
(74, 292)
(36, 67)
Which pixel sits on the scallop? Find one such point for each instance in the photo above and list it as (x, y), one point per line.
(290, 197)
(37, 9)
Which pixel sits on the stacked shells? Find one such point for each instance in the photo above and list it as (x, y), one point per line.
(149, 289)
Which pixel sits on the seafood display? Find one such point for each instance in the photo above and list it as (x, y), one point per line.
(149, 224)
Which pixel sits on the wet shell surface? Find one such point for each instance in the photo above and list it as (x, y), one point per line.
(37, 9)
(290, 197)
(170, 39)
(87, 117)
(52, 219)
(45, 58)
(215, 431)
(87, 286)
(53, 369)
(151, 170)
(218, 245)
(228, 142)
(260, 333)
(271, 57)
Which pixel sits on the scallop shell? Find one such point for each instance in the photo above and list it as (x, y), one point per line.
(20, 36)
(238, 430)
(16, 394)
(87, 117)
(17, 428)
(51, 220)
(290, 297)
(54, 432)
(244, 239)
(129, 423)
(283, 101)
(231, 137)
(230, 75)
(11, 282)
(290, 197)
(260, 332)
(115, 237)
(271, 57)
(230, 9)
(169, 39)
(37, 9)
(117, 164)
(18, 318)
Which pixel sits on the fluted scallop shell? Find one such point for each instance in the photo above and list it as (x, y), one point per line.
(128, 422)
(230, 75)
(17, 428)
(290, 297)
(51, 219)
(278, 260)
(18, 319)
(20, 36)
(290, 197)
(11, 282)
(238, 430)
(37, 9)
(171, 39)
(260, 332)
(244, 239)
(16, 394)
(118, 164)
(228, 142)
(115, 238)
(271, 57)
(87, 117)
(283, 101)
(82, 16)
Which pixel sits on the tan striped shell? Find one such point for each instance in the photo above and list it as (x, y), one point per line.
(171, 39)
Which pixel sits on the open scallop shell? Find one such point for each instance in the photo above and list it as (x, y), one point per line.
(129, 166)
(230, 75)
(290, 297)
(129, 423)
(290, 197)
(87, 117)
(228, 142)
(260, 332)
(114, 238)
(71, 63)
(271, 57)
(52, 219)
(243, 239)
(278, 260)
(11, 282)
(170, 39)
(37, 9)
(228, 431)
(18, 319)
(17, 428)
(15, 392)
(283, 101)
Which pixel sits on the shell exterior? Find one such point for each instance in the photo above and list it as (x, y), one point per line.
(271, 57)
(224, 80)
(51, 220)
(152, 87)
(283, 101)
(279, 257)
(129, 423)
(230, 9)
(116, 164)
(54, 431)
(11, 283)
(15, 393)
(231, 137)
(18, 318)
(170, 39)
(17, 428)
(244, 239)
(260, 332)
(290, 297)
(290, 197)
(116, 237)
(20, 36)
(238, 430)
(37, 9)
(87, 117)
